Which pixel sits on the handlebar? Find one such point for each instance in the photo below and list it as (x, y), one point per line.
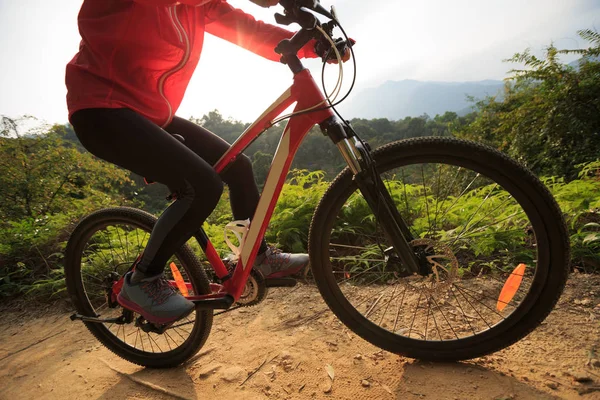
(295, 11)
(292, 6)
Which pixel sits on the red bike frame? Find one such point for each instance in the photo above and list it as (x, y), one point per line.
(306, 94)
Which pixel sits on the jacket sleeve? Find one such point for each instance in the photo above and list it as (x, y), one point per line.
(237, 27)
(171, 2)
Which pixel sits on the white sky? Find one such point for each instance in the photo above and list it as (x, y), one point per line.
(459, 40)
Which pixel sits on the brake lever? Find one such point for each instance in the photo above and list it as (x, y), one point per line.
(321, 10)
(313, 5)
(334, 13)
(328, 27)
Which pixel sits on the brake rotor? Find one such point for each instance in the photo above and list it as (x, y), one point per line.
(443, 263)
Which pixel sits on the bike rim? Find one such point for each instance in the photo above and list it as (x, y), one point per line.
(483, 254)
(111, 248)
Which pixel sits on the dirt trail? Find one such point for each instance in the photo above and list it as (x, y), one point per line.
(294, 338)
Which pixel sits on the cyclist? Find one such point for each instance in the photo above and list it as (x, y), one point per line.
(124, 86)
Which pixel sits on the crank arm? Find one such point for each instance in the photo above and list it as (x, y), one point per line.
(83, 318)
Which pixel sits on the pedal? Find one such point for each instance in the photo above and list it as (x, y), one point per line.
(83, 318)
(150, 327)
(281, 282)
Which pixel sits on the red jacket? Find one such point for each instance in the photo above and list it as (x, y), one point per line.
(140, 54)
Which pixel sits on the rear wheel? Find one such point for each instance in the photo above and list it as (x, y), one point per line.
(101, 249)
(490, 233)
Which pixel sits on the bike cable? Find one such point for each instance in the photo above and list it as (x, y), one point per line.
(334, 103)
(336, 89)
(214, 315)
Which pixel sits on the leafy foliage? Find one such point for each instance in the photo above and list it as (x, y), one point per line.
(46, 185)
(580, 201)
(41, 175)
(549, 116)
(317, 152)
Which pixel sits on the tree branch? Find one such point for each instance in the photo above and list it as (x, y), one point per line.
(64, 181)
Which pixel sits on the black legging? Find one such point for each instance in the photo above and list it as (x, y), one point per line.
(129, 140)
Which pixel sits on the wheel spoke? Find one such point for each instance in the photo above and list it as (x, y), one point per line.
(108, 248)
(470, 229)
(427, 317)
(388, 304)
(426, 202)
(475, 309)
(444, 316)
(465, 190)
(463, 313)
(471, 218)
(415, 313)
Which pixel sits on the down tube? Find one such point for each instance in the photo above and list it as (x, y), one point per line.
(294, 133)
(255, 130)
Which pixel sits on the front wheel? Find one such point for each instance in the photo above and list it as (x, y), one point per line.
(492, 236)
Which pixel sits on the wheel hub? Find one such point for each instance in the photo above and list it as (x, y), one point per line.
(441, 260)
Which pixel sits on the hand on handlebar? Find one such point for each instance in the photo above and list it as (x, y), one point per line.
(323, 49)
(265, 3)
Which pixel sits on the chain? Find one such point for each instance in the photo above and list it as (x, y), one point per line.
(214, 315)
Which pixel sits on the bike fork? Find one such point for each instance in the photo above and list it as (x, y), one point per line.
(377, 196)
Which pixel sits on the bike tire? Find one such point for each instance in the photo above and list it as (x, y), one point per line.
(547, 283)
(144, 221)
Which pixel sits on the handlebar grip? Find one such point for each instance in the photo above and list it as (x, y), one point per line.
(323, 48)
(293, 45)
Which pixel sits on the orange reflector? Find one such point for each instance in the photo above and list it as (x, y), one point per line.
(179, 280)
(347, 275)
(510, 287)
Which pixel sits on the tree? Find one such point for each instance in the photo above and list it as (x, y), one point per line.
(227, 129)
(261, 162)
(40, 174)
(550, 115)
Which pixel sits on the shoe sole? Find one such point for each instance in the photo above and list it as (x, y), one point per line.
(149, 317)
(288, 272)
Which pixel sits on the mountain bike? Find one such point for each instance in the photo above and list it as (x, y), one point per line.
(434, 248)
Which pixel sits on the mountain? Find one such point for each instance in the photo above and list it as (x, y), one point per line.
(575, 64)
(396, 100)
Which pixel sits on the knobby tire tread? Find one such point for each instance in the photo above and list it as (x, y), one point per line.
(523, 179)
(195, 272)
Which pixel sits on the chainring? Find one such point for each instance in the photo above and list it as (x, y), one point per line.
(255, 290)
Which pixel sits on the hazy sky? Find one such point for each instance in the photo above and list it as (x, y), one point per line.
(445, 40)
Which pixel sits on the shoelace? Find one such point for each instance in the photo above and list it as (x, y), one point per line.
(159, 290)
(277, 257)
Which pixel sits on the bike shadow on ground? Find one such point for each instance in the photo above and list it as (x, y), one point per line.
(426, 380)
(151, 383)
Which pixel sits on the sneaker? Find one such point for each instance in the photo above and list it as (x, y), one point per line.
(275, 264)
(154, 299)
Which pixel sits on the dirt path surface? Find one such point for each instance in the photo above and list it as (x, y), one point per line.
(287, 343)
